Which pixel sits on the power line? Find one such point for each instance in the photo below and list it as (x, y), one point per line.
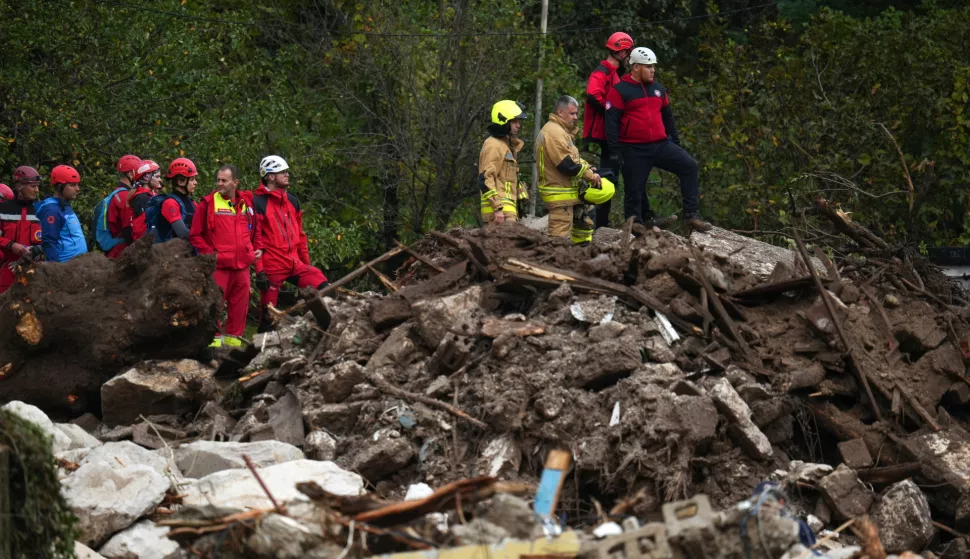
(565, 31)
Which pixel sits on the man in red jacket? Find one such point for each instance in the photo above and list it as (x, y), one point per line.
(279, 235)
(223, 225)
(599, 84)
(19, 227)
(120, 213)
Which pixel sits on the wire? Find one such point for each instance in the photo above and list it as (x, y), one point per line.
(422, 35)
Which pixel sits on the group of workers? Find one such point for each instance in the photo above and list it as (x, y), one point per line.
(261, 228)
(629, 118)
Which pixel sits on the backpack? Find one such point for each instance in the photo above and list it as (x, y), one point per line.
(102, 235)
(158, 228)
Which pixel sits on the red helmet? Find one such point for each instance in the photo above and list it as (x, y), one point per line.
(147, 167)
(25, 173)
(182, 166)
(64, 174)
(619, 41)
(128, 163)
(5, 192)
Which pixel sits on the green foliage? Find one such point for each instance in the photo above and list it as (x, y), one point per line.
(43, 524)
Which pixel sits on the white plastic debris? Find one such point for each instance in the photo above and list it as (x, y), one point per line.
(607, 529)
(615, 418)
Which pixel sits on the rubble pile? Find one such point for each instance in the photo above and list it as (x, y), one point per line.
(668, 368)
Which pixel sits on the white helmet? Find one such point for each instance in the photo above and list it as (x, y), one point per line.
(642, 55)
(272, 164)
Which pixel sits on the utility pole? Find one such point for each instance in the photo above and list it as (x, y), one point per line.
(533, 191)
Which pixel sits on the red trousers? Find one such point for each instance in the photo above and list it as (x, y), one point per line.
(7, 277)
(235, 290)
(309, 276)
(115, 252)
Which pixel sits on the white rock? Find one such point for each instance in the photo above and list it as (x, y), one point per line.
(902, 515)
(418, 491)
(607, 529)
(320, 445)
(82, 551)
(107, 498)
(742, 428)
(144, 540)
(127, 453)
(79, 437)
(59, 441)
(202, 458)
(435, 317)
(238, 488)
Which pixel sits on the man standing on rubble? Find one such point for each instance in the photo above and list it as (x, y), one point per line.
(279, 236)
(642, 134)
(224, 227)
(498, 164)
(600, 82)
(119, 213)
(19, 227)
(561, 171)
(61, 234)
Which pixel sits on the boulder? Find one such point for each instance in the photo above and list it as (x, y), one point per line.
(79, 437)
(379, 459)
(902, 514)
(320, 445)
(337, 384)
(285, 422)
(164, 387)
(59, 440)
(435, 317)
(336, 418)
(82, 551)
(239, 489)
(126, 453)
(742, 429)
(855, 454)
(398, 348)
(107, 497)
(845, 494)
(201, 458)
(144, 540)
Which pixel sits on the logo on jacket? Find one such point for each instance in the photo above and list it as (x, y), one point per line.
(656, 93)
(37, 236)
(51, 219)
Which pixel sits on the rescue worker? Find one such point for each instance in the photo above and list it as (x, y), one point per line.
(642, 134)
(5, 192)
(498, 164)
(119, 212)
(140, 195)
(178, 208)
(61, 234)
(600, 81)
(224, 227)
(19, 228)
(280, 237)
(560, 171)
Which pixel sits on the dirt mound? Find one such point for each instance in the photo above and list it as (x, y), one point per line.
(66, 328)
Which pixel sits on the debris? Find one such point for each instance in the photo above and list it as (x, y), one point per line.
(163, 387)
(285, 421)
(320, 445)
(902, 514)
(598, 310)
(550, 484)
(385, 454)
(436, 317)
(855, 454)
(144, 540)
(201, 458)
(744, 430)
(845, 494)
(127, 453)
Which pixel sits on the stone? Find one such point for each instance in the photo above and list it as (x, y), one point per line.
(239, 489)
(780, 430)
(902, 514)
(717, 278)
(658, 351)
(436, 316)
(855, 454)
(79, 437)
(89, 422)
(603, 364)
(755, 257)
(742, 429)
(397, 349)
(156, 436)
(282, 537)
(440, 386)
(608, 331)
(337, 384)
(387, 312)
(144, 540)
(764, 412)
(107, 497)
(126, 453)
(512, 514)
(381, 458)
(918, 335)
(501, 457)
(845, 494)
(110, 435)
(451, 354)
(201, 458)
(478, 532)
(320, 445)
(285, 421)
(168, 387)
(82, 551)
(823, 512)
(805, 377)
(944, 455)
(59, 440)
(336, 418)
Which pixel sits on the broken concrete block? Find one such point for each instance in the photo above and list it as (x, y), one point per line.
(845, 494)
(201, 458)
(397, 349)
(478, 532)
(944, 455)
(595, 310)
(166, 387)
(764, 412)
(239, 489)
(902, 514)
(741, 428)
(126, 453)
(780, 430)
(855, 454)
(390, 311)
(440, 386)
(806, 377)
(608, 331)
(59, 440)
(604, 364)
(381, 458)
(435, 317)
(107, 497)
(918, 335)
(320, 445)
(144, 540)
(337, 384)
(451, 354)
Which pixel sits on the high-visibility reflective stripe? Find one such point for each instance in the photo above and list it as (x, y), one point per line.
(17, 217)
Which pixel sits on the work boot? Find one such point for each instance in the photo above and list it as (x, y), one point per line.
(697, 223)
(660, 222)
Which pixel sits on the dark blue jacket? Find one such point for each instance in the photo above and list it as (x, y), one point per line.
(61, 234)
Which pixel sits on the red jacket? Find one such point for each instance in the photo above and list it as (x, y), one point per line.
(18, 224)
(119, 213)
(225, 228)
(137, 201)
(599, 84)
(639, 113)
(279, 232)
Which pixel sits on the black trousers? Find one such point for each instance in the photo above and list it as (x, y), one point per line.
(602, 218)
(640, 159)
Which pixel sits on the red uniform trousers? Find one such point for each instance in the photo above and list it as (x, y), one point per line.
(7, 277)
(235, 290)
(304, 276)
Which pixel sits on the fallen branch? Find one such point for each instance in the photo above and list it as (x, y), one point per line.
(420, 257)
(856, 232)
(385, 386)
(463, 248)
(902, 162)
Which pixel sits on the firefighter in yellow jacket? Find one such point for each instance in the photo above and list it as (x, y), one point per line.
(498, 164)
(562, 173)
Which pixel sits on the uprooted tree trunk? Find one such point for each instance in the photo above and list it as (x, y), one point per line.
(66, 328)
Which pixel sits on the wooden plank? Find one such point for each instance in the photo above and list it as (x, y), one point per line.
(774, 288)
(420, 257)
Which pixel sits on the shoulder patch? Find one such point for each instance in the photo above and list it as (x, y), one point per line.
(508, 155)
